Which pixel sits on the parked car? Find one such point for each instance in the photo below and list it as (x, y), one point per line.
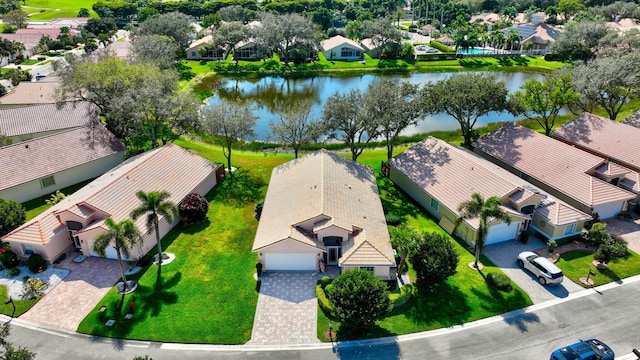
(540, 267)
(592, 349)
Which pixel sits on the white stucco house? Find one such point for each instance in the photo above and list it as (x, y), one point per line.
(74, 222)
(323, 207)
(341, 48)
(194, 51)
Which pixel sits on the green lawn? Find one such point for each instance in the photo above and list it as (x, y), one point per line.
(36, 206)
(575, 265)
(21, 305)
(55, 8)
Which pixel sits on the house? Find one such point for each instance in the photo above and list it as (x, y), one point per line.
(194, 50)
(341, 48)
(42, 91)
(374, 49)
(30, 41)
(45, 164)
(75, 221)
(249, 50)
(623, 25)
(440, 176)
(535, 36)
(567, 173)
(57, 23)
(323, 207)
(29, 122)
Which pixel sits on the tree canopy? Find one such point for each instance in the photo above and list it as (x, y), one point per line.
(434, 260)
(12, 215)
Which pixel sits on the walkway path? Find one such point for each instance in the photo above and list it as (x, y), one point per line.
(287, 310)
(73, 298)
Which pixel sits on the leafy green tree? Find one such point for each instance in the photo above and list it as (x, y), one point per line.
(12, 215)
(466, 97)
(405, 240)
(569, 8)
(284, 33)
(544, 99)
(359, 298)
(381, 31)
(99, 26)
(434, 260)
(228, 35)
(159, 50)
(344, 119)
(155, 204)
(296, 128)
(230, 123)
(174, 25)
(486, 210)
(211, 20)
(123, 236)
(580, 40)
(147, 13)
(10, 352)
(83, 12)
(17, 18)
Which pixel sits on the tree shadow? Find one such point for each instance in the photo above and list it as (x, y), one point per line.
(390, 351)
(184, 72)
(503, 144)
(505, 61)
(520, 318)
(579, 130)
(472, 63)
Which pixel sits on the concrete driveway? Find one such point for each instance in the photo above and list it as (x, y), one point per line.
(504, 255)
(287, 309)
(72, 299)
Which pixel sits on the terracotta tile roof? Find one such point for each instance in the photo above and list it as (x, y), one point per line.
(197, 43)
(38, 92)
(326, 187)
(26, 120)
(559, 213)
(41, 157)
(50, 32)
(336, 41)
(452, 174)
(168, 168)
(29, 40)
(609, 138)
(555, 163)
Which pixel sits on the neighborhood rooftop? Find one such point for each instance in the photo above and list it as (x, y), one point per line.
(168, 168)
(560, 166)
(34, 119)
(43, 156)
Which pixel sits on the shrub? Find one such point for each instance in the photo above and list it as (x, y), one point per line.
(434, 260)
(12, 215)
(36, 263)
(257, 212)
(499, 281)
(9, 259)
(393, 219)
(259, 269)
(323, 301)
(55, 198)
(598, 234)
(193, 208)
(552, 245)
(13, 272)
(33, 288)
(324, 282)
(441, 47)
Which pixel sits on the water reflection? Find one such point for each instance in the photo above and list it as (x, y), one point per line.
(272, 94)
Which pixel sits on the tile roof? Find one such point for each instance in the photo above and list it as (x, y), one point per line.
(452, 174)
(204, 41)
(28, 93)
(29, 40)
(26, 120)
(41, 157)
(539, 33)
(167, 168)
(336, 41)
(324, 185)
(50, 32)
(553, 162)
(607, 137)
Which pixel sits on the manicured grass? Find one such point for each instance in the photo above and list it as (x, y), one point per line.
(29, 62)
(575, 265)
(206, 295)
(36, 206)
(56, 8)
(21, 305)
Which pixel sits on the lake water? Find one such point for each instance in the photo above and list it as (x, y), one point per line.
(272, 93)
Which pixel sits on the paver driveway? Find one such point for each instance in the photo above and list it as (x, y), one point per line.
(73, 298)
(287, 309)
(505, 254)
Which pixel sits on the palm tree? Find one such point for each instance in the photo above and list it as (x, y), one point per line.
(485, 210)
(513, 37)
(405, 239)
(124, 235)
(155, 204)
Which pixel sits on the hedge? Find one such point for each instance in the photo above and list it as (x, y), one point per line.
(442, 47)
(323, 302)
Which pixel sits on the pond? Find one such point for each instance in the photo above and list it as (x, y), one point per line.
(269, 94)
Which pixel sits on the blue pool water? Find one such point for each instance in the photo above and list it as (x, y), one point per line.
(476, 51)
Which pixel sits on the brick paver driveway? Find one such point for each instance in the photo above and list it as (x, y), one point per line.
(72, 299)
(287, 309)
(505, 255)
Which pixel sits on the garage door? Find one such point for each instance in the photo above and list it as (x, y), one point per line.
(608, 210)
(110, 251)
(299, 262)
(502, 232)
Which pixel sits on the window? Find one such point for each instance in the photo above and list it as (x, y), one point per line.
(346, 52)
(368, 268)
(48, 181)
(569, 229)
(27, 249)
(434, 204)
(193, 53)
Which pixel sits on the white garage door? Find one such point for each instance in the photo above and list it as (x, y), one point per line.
(502, 232)
(110, 251)
(290, 262)
(608, 210)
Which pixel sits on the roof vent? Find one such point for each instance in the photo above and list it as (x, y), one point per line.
(26, 146)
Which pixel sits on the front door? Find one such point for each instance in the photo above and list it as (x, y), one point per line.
(333, 254)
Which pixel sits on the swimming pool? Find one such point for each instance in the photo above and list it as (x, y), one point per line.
(476, 51)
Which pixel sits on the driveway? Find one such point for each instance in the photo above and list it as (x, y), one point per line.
(505, 254)
(287, 309)
(629, 230)
(73, 298)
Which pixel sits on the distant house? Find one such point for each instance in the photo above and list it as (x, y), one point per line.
(42, 91)
(341, 48)
(74, 222)
(374, 49)
(30, 122)
(57, 23)
(249, 50)
(323, 207)
(194, 51)
(43, 165)
(564, 171)
(30, 42)
(623, 25)
(440, 176)
(536, 36)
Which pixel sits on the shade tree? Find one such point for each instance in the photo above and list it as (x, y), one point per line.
(434, 260)
(296, 127)
(175, 25)
(12, 215)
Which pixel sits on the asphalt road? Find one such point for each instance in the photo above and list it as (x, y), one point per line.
(610, 313)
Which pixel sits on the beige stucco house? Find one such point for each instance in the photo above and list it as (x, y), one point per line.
(440, 176)
(323, 207)
(38, 167)
(340, 48)
(564, 171)
(73, 223)
(194, 50)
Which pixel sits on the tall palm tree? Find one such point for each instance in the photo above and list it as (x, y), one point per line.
(486, 210)
(124, 235)
(155, 204)
(405, 239)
